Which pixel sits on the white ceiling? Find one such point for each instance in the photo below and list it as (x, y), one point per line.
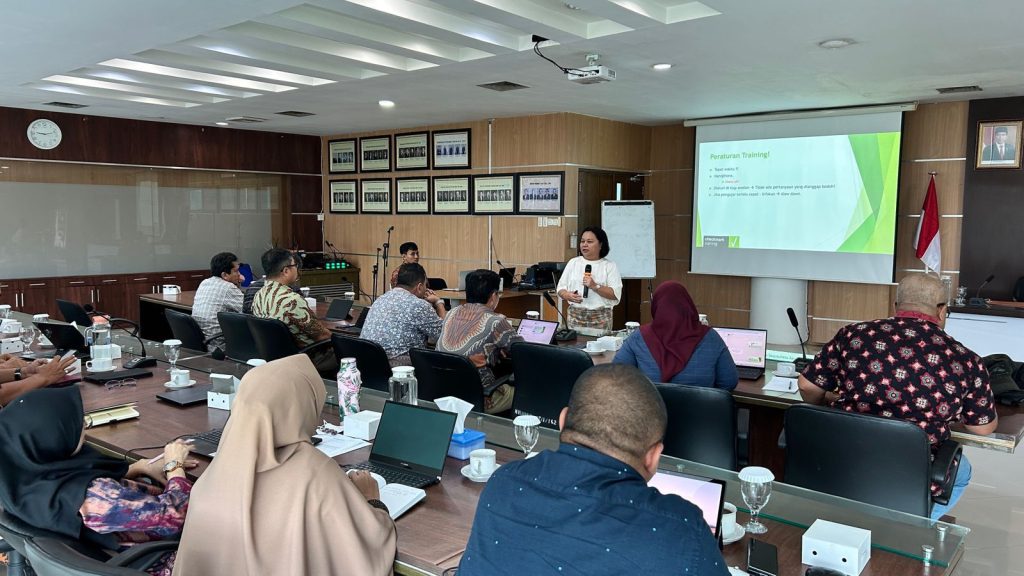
(337, 58)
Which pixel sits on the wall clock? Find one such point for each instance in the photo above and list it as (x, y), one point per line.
(44, 134)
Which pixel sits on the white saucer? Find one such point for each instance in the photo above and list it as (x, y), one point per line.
(172, 386)
(594, 352)
(738, 533)
(469, 474)
(95, 371)
(781, 375)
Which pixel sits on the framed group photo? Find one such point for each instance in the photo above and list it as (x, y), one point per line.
(343, 196)
(541, 193)
(413, 195)
(999, 144)
(411, 151)
(451, 148)
(343, 156)
(375, 154)
(375, 196)
(451, 195)
(494, 194)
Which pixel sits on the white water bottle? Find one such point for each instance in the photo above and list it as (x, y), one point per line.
(349, 383)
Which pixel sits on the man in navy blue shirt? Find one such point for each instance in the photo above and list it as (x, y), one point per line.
(587, 509)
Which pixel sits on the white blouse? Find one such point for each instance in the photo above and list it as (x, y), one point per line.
(603, 271)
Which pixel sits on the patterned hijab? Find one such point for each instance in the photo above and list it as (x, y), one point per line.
(675, 330)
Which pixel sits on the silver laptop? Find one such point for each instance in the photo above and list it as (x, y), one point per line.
(748, 348)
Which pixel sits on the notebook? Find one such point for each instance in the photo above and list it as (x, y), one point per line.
(399, 498)
(411, 444)
(748, 348)
(339, 309)
(538, 331)
(110, 414)
(708, 494)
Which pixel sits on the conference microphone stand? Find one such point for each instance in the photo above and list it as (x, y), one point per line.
(387, 244)
(376, 263)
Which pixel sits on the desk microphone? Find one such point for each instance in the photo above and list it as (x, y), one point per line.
(586, 276)
(565, 334)
(978, 301)
(802, 362)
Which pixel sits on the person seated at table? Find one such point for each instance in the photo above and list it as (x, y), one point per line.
(254, 287)
(587, 507)
(218, 293)
(405, 317)
(51, 480)
(271, 503)
(675, 347)
(475, 331)
(19, 376)
(277, 300)
(907, 367)
(410, 255)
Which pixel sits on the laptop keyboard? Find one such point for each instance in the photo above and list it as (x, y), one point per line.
(749, 373)
(396, 476)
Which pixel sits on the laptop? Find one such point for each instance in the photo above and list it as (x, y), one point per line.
(708, 494)
(186, 396)
(120, 374)
(358, 326)
(748, 348)
(411, 444)
(206, 443)
(64, 337)
(339, 309)
(508, 277)
(538, 331)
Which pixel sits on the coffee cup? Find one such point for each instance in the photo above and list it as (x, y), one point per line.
(350, 295)
(5, 310)
(305, 291)
(482, 462)
(728, 519)
(255, 362)
(180, 377)
(632, 327)
(99, 364)
(12, 327)
(40, 317)
(532, 315)
(786, 369)
(594, 346)
(703, 319)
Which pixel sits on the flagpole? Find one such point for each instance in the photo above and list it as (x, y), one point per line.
(938, 273)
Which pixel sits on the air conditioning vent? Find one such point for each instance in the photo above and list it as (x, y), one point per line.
(246, 119)
(65, 104)
(503, 86)
(296, 113)
(958, 89)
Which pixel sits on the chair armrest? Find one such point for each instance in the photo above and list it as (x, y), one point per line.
(314, 347)
(217, 336)
(141, 556)
(944, 469)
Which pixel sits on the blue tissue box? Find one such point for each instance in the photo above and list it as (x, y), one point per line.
(463, 444)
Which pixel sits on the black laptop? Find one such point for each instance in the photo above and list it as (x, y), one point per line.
(186, 396)
(358, 326)
(339, 309)
(411, 444)
(64, 337)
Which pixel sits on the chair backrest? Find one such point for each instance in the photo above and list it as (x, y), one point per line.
(74, 312)
(371, 359)
(436, 283)
(880, 461)
(545, 376)
(442, 374)
(701, 424)
(272, 337)
(238, 341)
(185, 328)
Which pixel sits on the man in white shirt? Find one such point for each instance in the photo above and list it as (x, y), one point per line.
(219, 292)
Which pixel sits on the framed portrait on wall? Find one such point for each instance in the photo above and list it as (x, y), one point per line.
(541, 193)
(413, 195)
(998, 144)
(411, 151)
(375, 196)
(451, 195)
(375, 154)
(494, 194)
(343, 196)
(451, 148)
(342, 155)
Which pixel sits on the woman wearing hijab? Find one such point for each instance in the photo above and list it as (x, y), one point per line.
(50, 480)
(675, 347)
(271, 503)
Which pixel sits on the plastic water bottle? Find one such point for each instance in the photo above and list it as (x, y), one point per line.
(349, 383)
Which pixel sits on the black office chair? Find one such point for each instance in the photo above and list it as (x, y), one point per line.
(80, 315)
(701, 424)
(371, 359)
(881, 461)
(442, 374)
(185, 328)
(436, 284)
(13, 532)
(544, 377)
(274, 340)
(238, 341)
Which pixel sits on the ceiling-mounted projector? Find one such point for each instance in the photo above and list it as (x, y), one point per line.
(591, 75)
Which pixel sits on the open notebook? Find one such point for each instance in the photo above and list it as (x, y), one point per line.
(110, 414)
(398, 497)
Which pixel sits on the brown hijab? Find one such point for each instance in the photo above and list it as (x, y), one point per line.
(271, 503)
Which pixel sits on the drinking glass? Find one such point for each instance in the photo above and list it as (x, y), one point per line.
(527, 430)
(172, 349)
(756, 489)
(27, 335)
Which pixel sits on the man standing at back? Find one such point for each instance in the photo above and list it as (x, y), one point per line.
(907, 367)
(587, 508)
(218, 293)
(410, 255)
(404, 317)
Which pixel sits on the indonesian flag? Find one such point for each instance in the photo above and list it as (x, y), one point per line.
(929, 248)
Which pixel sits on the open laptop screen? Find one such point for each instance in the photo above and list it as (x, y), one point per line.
(538, 331)
(413, 437)
(707, 494)
(747, 346)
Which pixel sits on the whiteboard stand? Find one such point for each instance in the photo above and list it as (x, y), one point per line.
(630, 228)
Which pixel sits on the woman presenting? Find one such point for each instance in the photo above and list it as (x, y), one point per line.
(591, 285)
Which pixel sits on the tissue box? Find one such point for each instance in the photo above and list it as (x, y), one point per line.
(836, 546)
(463, 444)
(362, 425)
(219, 401)
(11, 346)
(225, 387)
(610, 343)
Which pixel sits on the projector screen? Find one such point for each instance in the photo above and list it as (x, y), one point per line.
(811, 198)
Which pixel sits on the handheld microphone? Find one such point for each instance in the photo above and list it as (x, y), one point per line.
(801, 362)
(978, 301)
(565, 334)
(586, 276)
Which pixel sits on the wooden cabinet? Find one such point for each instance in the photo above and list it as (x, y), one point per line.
(38, 296)
(109, 295)
(191, 279)
(135, 284)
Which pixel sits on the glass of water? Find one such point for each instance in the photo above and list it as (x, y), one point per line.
(27, 335)
(527, 430)
(756, 489)
(172, 348)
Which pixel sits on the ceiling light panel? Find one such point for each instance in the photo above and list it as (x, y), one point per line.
(191, 62)
(111, 94)
(132, 89)
(266, 52)
(200, 76)
(164, 81)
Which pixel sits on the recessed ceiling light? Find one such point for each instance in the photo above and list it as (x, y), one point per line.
(221, 123)
(386, 103)
(835, 43)
(661, 66)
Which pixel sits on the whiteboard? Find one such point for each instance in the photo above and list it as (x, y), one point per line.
(630, 228)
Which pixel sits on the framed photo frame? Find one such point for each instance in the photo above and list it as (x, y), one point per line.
(342, 154)
(343, 196)
(412, 151)
(451, 148)
(375, 196)
(452, 195)
(375, 154)
(998, 144)
(494, 194)
(413, 195)
(541, 193)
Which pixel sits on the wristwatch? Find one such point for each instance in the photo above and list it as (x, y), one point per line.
(17, 374)
(171, 466)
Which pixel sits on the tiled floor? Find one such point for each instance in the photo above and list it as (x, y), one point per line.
(994, 500)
